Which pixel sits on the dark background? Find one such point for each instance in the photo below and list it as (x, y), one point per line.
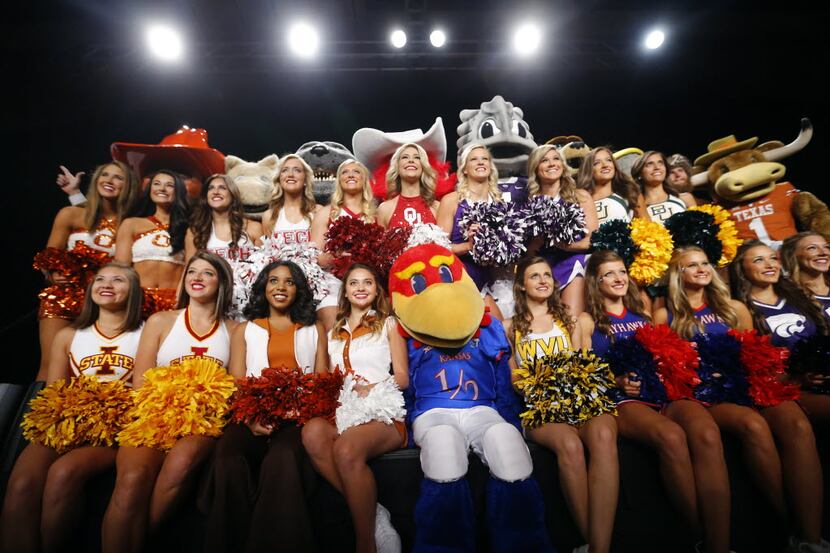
(76, 78)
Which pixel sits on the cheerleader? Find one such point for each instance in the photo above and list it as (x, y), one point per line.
(365, 343)
(152, 238)
(615, 311)
(218, 223)
(268, 512)
(549, 176)
(614, 193)
(698, 302)
(292, 207)
(410, 187)
(112, 190)
(806, 259)
(150, 484)
(661, 198)
(478, 181)
(45, 489)
(542, 324)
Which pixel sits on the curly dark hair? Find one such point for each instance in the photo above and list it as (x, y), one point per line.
(301, 311)
(179, 212)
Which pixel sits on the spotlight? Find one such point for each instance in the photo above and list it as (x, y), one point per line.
(303, 40)
(165, 42)
(526, 39)
(398, 38)
(437, 38)
(655, 39)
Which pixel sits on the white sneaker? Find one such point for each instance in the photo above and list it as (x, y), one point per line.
(797, 546)
(387, 539)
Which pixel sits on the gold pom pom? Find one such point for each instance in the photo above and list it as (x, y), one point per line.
(178, 401)
(727, 233)
(655, 248)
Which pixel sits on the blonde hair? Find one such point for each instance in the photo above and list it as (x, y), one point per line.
(92, 209)
(463, 179)
(716, 293)
(428, 174)
(337, 197)
(789, 258)
(278, 196)
(567, 185)
(380, 305)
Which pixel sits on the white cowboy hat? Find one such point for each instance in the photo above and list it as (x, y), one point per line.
(373, 147)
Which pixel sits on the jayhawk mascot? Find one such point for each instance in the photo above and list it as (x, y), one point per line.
(461, 397)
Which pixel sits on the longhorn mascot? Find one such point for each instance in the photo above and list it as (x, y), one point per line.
(461, 397)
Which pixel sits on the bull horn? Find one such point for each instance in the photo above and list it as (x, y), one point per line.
(795, 146)
(700, 179)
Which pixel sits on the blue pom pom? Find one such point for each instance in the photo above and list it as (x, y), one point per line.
(722, 377)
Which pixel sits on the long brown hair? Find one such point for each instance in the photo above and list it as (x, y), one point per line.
(716, 293)
(637, 170)
(382, 308)
(789, 259)
(594, 299)
(225, 292)
(201, 221)
(522, 317)
(621, 184)
(92, 209)
(784, 288)
(135, 300)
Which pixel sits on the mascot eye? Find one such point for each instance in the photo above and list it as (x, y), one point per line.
(489, 128)
(418, 282)
(445, 273)
(520, 128)
(724, 168)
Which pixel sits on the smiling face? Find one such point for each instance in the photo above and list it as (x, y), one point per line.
(361, 288)
(813, 254)
(678, 178)
(603, 167)
(351, 178)
(201, 280)
(163, 189)
(280, 289)
(111, 182)
(613, 279)
(695, 269)
(477, 167)
(538, 282)
(292, 175)
(111, 287)
(653, 172)
(761, 265)
(218, 195)
(551, 167)
(410, 164)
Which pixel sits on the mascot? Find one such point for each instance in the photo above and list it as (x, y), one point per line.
(460, 397)
(324, 158)
(255, 181)
(744, 179)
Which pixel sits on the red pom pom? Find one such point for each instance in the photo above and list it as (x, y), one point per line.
(676, 359)
(765, 368)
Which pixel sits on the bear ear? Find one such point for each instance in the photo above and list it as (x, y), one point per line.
(231, 162)
(269, 161)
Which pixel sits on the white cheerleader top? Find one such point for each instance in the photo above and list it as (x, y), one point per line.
(183, 343)
(101, 238)
(661, 211)
(286, 232)
(107, 358)
(365, 353)
(256, 344)
(539, 344)
(154, 245)
(222, 247)
(613, 207)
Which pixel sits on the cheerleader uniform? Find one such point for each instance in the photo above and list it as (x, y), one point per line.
(183, 343)
(411, 211)
(155, 245)
(64, 301)
(622, 326)
(825, 304)
(107, 358)
(566, 266)
(264, 510)
(480, 275)
(287, 233)
(786, 324)
(539, 344)
(712, 323)
(661, 211)
(222, 248)
(613, 207)
(366, 359)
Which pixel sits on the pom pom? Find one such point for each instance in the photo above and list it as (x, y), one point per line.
(384, 402)
(568, 387)
(627, 356)
(696, 228)
(280, 395)
(654, 249)
(178, 401)
(727, 232)
(560, 222)
(352, 240)
(676, 360)
(499, 240)
(81, 411)
(394, 242)
(615, 235)
(764, 365)
(811, 356)
(427, 233)
(722, 377)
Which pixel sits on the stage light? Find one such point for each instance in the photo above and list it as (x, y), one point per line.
(165, 42)
(655, 39)
(526, 39)
(303, 40)
(437, 38)
(398, 38)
